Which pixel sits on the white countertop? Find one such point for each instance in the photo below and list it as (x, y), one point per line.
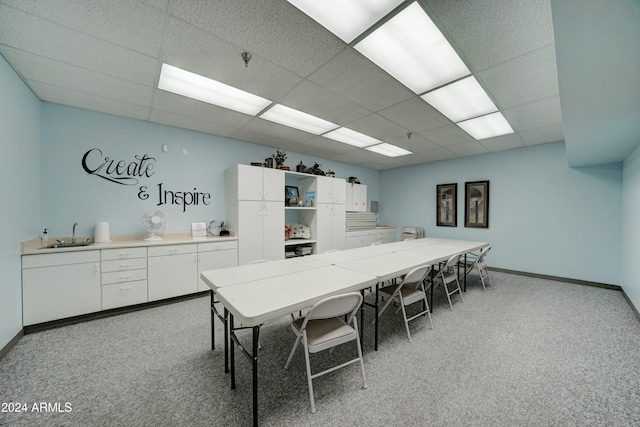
(35, 246)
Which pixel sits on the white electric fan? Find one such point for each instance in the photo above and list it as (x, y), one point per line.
(154, 220)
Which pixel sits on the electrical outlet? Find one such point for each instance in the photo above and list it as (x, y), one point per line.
(165, 148)
(184, 151)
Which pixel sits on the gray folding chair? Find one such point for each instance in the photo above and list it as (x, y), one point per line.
(449, 275)
(409, 291)
(477, 262)
(325, 327)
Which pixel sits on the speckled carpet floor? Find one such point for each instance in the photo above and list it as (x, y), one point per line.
(528, 352)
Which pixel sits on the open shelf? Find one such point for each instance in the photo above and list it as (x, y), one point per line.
(293, 242)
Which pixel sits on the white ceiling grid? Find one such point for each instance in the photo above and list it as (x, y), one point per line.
(106, 56)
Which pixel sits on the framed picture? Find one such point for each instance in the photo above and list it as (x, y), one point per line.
(447, 214)
(476, 204)
(291, 195)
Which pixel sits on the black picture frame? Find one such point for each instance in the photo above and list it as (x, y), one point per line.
(291, 195)
(446, 205)
(476, 204)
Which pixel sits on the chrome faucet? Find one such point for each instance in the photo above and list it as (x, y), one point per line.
(73, 235)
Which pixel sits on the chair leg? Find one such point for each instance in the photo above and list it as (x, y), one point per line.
(406, 322)
(364, 379)
(309, 379)
(293, 350)
(446, 291)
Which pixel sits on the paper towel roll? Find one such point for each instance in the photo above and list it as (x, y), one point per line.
(102, 234)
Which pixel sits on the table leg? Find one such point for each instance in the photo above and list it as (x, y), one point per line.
(362, 322)
(213, 329)
(375, 344)
(465, 272)
(256, 334)
(232, 355)
(227, 339)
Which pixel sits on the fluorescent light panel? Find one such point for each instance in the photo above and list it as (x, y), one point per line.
(413, 50)
(351, 137)
(297, 119)
(346, 19)
(388, 150)
(461, 100)
(487, 126)
(185, 83)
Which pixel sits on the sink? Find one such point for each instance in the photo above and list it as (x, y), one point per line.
(66, 245)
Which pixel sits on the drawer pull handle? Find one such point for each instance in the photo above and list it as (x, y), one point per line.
(125, 288)
(125, 277)
(173, 251)
(125, 265)
(124, 254)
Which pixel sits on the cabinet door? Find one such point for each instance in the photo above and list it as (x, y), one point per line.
(273, 231)
(360, 197)
(339, 191)
(273, 185)
(51, 293)
(324, 189)
(250, 182)
(213, 260)
(172, 275)
(324, 234)
(338, 226)
(250, 231)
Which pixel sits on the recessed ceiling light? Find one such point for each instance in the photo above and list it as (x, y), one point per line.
(461, 100)
(185, 83)
(388, 150)
(346, 19)
(351, 137)
(487, 126)
(413, 50)
(297, 119)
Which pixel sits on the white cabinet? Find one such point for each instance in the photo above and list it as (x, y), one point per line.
(60, 285)
(215, 255)
(356, 197)
(255, 211)
(124, 277)
(173, 271)
(331, 220)
(331, 190)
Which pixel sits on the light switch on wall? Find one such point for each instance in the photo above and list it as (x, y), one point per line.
(184, 151)
(165, 148)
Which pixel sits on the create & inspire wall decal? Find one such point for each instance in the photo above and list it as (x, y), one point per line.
(130, 173)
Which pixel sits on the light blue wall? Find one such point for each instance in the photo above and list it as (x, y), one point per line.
(19, 190)
(543, 216)
(630, 227)
(69, 194)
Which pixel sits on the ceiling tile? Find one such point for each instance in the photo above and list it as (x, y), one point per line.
(89, 102)
(189, 122)
(415, 114)
(45, 70)
(490, 32)
(320, 102)
(378, 127)
(198, 51)
(447, 136)
(468, 149)
(274, 28)
(329, 145)
(415, 144)
(543, 135)
(275, 130)
(504, 142)
(535, 114)
(262, 139)
(528, 78)
(41, 37)
(127, 23)
(439, 154)
(358, 79)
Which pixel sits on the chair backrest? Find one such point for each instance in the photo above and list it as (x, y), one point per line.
(408, 238)
(257, 261)
(417, 275)
(334, 306)
(451, 262)
(483, 253)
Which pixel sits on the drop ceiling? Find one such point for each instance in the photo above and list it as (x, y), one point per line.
(106, 56)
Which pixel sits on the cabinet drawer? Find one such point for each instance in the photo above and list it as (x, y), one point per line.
(172, 250)
(124, 264)
(217, 246)
(63, 258)
(124, 276)
(123, 253)
(120, 295)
